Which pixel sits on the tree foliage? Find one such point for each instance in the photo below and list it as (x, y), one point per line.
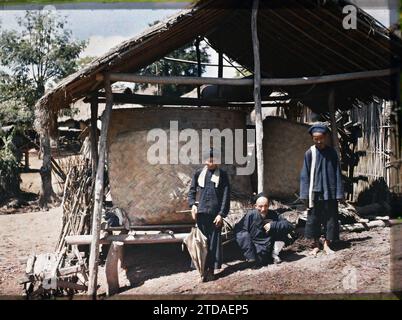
(9, 167)
(165, 67)
(34, 59)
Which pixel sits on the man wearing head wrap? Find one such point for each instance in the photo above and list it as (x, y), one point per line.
(262, 233)
(321, 186)
(212, 183)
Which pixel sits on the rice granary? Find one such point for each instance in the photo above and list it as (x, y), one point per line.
(157, 193)
(285, 143)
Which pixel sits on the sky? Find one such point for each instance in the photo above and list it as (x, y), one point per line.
(107, 28)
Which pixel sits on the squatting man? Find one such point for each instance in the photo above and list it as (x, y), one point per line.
(262, 233)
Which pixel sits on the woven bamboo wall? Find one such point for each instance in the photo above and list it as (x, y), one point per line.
(151, 194)
(381, 164)
(284, 144)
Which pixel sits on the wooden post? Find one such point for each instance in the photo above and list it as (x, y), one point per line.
(47, 193)
(26, 153)
(220, 71)
(197, 47)
(93, 135)
(257, 98)
(112, 267)
(220, 65)
(99, 189)
(331, 106)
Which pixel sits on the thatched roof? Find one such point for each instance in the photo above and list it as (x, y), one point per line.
(297, 38)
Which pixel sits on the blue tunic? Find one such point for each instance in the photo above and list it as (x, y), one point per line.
(327, 177)
(254, 241)
(212, 200)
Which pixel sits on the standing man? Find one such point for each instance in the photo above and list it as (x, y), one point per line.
(214, 201)
(321, 186)
(261, 234)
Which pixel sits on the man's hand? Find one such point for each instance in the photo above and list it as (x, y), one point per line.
(343, 202)
(194, 212)
(218, 221)
(267, 227)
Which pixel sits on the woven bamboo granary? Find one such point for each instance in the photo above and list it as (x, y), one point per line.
(157, 193)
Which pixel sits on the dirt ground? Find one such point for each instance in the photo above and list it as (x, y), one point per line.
(21, 235)
(362, 264)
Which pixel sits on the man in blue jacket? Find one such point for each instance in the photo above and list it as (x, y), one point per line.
(321, 187)
(262, 233)
(212, 183)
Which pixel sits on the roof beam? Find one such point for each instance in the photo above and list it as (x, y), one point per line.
(179, 101)
(275, 82)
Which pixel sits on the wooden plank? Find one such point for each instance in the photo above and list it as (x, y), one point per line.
(99, 190)
(363, 226)
(69, 270)
(259, 130)
(128, 77)
(30, 264)
(113, 266)
(128, 239)
(155, 226)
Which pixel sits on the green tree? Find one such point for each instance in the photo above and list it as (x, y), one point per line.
(164, 67)
(34, 59)
(9, 169)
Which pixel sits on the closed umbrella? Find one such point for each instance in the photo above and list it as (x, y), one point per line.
(197, 247)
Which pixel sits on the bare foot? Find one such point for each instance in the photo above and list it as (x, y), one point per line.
(327, 249)
(314, 252)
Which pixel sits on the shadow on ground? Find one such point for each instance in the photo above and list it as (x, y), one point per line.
(145, 262)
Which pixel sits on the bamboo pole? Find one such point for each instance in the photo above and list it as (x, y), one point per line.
(99, 190)
(197, 47)
(195, 62)
(161, 100)
(128, 77)
(220, 68)
(331, 106)
(93, 135)
(257, 98)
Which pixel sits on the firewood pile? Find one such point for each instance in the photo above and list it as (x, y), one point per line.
(65, 272)
(352, 218)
